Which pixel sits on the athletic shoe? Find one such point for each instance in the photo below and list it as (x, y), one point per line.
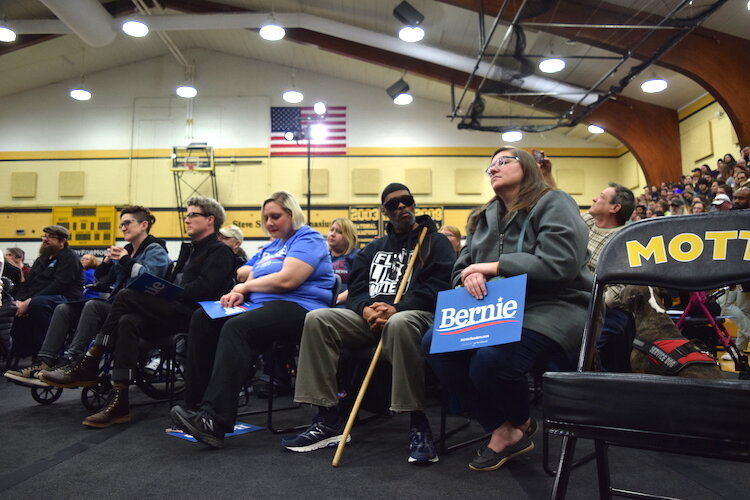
(488, 459)
(198, 424)
(28, 374)
(726, 357)
(317, 436)
(421, 448)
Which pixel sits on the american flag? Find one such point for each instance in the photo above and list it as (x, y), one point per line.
(297, 119)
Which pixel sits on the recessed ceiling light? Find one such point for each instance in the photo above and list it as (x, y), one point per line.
(272, 32)
(186, 91)
(293, 96)
(80, 94)
(551, 65)
(7, 34)
(654, 85)
(595, 129)
(512, 136)
(135, 29)
(411, 34)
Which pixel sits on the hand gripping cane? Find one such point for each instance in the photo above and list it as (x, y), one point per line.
(376, 356)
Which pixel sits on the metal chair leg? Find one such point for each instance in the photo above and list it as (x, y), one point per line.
(560, 487)
(602, 470)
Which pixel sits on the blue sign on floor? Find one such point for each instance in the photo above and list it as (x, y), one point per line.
(463, 322)
(239, 428)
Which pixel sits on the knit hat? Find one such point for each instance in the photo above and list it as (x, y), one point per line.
(393, 186)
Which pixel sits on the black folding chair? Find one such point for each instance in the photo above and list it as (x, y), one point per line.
(692, 252)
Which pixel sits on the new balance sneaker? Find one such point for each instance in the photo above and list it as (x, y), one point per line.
(317, 436)
(198, 424)
(421, 447)
(28, 374)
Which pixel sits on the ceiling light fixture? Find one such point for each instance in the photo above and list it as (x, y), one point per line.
(551, 65)
(512, 136)
(411, 34)
(80, 94)
(7, 34)
(595, 129)
(654, 85)
(411, 18)
(399, 92)
(187, 91)
(320, 108)
(272, 32)
(136, 29)
(293, 96)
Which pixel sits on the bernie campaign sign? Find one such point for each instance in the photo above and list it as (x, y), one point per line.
(215, 310)
(463, 322)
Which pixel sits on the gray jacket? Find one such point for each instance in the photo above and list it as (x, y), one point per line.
(554, 256)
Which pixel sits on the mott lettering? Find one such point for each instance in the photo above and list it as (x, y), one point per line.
(686, 247)
(452, 318)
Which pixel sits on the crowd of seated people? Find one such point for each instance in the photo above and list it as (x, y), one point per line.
(704, 190)
(528, 227)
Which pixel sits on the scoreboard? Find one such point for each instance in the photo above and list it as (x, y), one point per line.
(88, 226)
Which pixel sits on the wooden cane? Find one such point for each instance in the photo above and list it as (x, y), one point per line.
(376, 356)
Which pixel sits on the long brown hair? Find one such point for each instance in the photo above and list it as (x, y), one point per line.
(533, 187)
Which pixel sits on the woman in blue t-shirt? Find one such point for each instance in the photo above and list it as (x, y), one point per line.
(292, 276)
(342, 246)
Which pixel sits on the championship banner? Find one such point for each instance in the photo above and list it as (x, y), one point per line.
(463, 322)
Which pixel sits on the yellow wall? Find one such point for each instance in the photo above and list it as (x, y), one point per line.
(706, 135)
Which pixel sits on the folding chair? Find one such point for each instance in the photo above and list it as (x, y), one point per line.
(655, 412)
(276, 348)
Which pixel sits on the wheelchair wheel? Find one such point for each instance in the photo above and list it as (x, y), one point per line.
(94, 398)
(152, 376)
(46, 395)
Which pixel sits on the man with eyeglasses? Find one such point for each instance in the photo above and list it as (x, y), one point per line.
(204, 271)
(56, 277)
(370, 314)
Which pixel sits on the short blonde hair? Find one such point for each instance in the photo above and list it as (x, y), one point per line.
(453, 230)
(289, 204)
(349, 232)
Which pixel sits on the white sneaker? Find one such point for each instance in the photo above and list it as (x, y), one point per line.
(726, 357)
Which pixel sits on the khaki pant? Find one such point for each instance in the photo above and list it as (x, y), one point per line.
(328, 330)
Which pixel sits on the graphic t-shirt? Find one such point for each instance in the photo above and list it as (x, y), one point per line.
(342, 266)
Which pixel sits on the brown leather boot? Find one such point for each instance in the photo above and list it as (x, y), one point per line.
(117, 410)
(82, 373)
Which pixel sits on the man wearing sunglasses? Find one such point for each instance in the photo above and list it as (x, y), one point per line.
(370, 314)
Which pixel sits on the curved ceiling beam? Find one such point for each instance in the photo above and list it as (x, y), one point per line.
(626, 119)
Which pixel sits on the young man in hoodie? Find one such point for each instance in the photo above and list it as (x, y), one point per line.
(369, 314)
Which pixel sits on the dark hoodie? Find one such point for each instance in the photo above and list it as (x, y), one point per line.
(378, 268)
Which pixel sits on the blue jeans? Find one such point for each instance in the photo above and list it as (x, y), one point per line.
(491, 381)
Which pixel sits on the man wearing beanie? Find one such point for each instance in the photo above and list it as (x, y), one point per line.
(370, 314)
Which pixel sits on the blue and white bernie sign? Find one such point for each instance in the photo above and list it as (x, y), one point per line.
(463, 322)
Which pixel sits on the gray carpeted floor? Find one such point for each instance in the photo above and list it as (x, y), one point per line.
(47, 453)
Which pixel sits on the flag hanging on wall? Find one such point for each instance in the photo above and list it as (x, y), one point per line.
(301, 120)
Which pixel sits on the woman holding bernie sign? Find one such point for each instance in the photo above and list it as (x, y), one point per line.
(527, 228)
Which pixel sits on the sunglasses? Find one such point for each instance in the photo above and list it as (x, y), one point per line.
(393, 203)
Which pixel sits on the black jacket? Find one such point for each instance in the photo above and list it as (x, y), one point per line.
(379, 266)
(207, 268)
(60, 275)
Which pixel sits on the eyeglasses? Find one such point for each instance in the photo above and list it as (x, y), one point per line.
(193, 215)
(126, 223)
(500, 161)
(393, 203)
